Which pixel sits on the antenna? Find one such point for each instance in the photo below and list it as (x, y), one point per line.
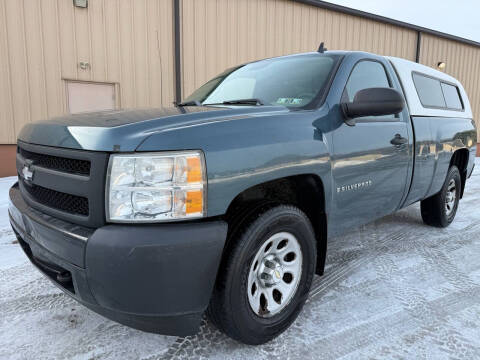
(321, 48)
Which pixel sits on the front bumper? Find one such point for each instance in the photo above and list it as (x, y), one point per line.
(155, 278)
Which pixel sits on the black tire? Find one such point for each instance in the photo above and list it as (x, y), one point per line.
(433, 209)
(229, 307)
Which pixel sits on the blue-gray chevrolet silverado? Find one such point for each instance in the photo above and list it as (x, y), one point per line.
(221, 205)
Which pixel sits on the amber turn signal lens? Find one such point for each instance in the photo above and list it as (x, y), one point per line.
(194, 171)
(194, 202)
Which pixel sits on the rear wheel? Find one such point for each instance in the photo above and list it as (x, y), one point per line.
(265, 275)
(440, 209)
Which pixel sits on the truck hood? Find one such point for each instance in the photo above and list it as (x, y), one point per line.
(125, 130)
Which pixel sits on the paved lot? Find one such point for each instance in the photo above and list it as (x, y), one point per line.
(393, 289)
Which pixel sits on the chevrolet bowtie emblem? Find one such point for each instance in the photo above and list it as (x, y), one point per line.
(277, 274)
(27, 173)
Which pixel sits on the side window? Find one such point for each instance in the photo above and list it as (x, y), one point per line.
(435, 93)
(452, 96)
(429, 91)
(366, 74)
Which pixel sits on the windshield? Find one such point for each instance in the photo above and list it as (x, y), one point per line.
(289, 81)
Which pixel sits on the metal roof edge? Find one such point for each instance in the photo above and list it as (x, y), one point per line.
(386, 20)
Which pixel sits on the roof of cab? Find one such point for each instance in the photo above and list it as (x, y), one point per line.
(405, 68)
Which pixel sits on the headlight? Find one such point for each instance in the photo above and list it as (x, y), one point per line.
(154, 187)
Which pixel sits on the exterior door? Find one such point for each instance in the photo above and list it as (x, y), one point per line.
(370, 167)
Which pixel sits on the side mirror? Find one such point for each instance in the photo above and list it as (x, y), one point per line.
(373, 102)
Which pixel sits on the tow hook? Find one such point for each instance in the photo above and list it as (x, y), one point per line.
(64, 277)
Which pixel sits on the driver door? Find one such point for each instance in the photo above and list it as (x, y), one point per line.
(369, 170)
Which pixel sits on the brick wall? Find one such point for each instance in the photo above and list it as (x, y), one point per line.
(7, 160)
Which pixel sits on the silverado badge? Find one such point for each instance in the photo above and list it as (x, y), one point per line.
(356, 186)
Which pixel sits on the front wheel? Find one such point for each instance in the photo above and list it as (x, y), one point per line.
(440, 209)
(265, 276)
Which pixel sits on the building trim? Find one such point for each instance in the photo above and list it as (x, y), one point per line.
(177, 50)
(386, 20)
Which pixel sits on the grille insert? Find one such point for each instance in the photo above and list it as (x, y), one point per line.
(73, 166)
(58, 200)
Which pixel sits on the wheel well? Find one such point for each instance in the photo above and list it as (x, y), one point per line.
(460, 160)
(303, 191)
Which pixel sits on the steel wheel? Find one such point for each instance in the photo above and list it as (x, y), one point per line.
(266, 275)
(450, 197)
(440, 209)
(274, 274)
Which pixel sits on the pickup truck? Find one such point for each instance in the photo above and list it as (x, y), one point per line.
(222, 205)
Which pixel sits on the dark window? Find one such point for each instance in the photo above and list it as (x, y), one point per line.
(452, 97)
(366, 74)
(429, 91)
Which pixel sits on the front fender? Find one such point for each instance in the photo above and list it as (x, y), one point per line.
(249, 151)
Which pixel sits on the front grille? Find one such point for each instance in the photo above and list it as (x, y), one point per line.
(72, 166)
(58, 200)
(73, 192)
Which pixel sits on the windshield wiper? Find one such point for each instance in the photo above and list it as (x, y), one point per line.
(189, 103)
(255, 102)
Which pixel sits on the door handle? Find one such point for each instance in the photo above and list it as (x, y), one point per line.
(398, 140)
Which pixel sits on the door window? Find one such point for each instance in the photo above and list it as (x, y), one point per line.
(366, 74)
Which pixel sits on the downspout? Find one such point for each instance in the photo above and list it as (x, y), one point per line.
(177, 51)
(419, 44)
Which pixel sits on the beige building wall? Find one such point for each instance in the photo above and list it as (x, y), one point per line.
(462, 61)
(220, 34)
(128, 43)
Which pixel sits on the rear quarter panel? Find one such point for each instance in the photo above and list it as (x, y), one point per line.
(436, 139)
